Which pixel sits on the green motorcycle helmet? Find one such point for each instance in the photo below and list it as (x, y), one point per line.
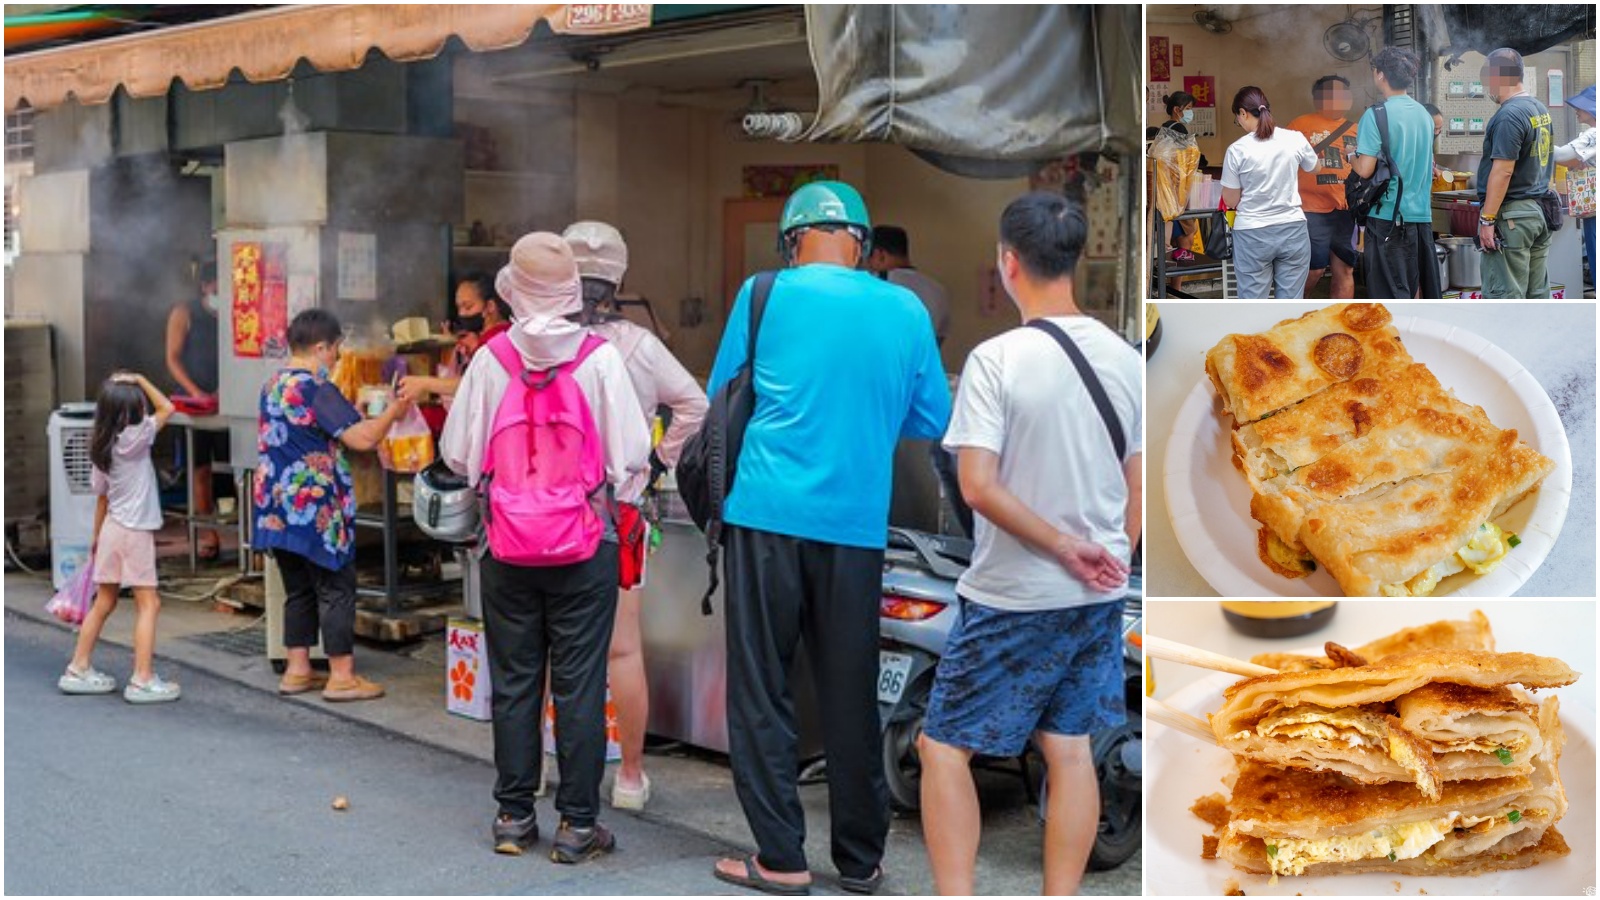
(826, 203)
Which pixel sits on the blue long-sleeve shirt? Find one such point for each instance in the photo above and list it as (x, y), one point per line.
(846, 365)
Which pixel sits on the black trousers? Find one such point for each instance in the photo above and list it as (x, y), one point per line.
(780, 589)
(562, 615)
(1400, 261)
(317, 597)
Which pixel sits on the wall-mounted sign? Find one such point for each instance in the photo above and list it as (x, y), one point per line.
(1475, 89)
(781, 181)
(1160, 59)
(358, 266)
(260, 300)
(1458, 89)
(1177, 56)
(606, 18)
(1458, 125)
(1203, 88)
(1475, 126)
(1558, 88)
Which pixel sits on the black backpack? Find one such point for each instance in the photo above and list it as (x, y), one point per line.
(1362, 194)
(710, 458)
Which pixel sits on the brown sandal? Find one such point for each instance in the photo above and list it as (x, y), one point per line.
(290, 685)
(355, 688)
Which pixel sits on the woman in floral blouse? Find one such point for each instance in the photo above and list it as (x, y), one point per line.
(306, 505)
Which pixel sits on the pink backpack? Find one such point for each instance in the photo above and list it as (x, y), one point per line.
(544, 468)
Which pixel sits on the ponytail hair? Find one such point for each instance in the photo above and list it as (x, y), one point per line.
(1253, 100)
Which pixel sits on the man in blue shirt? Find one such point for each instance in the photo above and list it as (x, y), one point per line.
(845, 365)
(1399, 245)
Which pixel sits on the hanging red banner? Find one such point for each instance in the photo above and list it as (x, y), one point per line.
(260, 300)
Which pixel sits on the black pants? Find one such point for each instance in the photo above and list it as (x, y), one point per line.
(1400, 261)
(317, 596)
(781, 589)
(564, 616)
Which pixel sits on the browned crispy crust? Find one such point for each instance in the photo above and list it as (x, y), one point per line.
(1342, 657)
(1409, 671)
(1338, 354)
(1263, 543)
(1365, 316)
(1212, 809)
(1281, 798)
(1448, 634)
(1460, 696)
(1415, 756)
(1208, 846)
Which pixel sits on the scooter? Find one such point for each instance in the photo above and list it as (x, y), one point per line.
(917, 612)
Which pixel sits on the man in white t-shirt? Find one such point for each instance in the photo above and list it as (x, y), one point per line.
(891, 260)
(1057, 488)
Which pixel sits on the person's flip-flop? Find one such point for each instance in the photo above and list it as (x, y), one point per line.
(754, 880)
(868, 885)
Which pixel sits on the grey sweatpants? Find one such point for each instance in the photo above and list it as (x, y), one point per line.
(1272, 255)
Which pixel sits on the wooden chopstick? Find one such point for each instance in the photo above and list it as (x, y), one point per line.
(1194, 726)
(1172, 651)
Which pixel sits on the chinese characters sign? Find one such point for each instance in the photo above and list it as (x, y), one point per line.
(1203, 88)
(1160, 62)
(260, 300)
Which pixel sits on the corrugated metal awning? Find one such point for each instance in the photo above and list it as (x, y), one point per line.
(266, 46)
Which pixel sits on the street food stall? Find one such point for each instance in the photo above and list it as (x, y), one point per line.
(365, 170)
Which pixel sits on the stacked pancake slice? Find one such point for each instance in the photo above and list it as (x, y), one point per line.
(1434, 759)
(1358, 459)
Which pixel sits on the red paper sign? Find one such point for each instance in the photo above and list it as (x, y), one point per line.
(1203, 88)
(260, 300)
(1160, 68)
(1177, 56)
(247, 300)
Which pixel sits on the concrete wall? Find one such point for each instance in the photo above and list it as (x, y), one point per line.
(664, 173)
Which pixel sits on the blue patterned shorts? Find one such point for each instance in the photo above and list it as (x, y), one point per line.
(1005, 675)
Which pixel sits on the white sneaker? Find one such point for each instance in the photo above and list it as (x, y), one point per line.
(153, 691)
(630, 798)
(89, 681)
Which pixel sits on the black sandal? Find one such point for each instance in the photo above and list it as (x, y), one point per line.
(755, 881)
(868, 885)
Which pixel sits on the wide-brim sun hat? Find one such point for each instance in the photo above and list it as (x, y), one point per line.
(541, 280)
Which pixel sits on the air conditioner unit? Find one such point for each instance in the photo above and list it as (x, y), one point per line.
(72, 498)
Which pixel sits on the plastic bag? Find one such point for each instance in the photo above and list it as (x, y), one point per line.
(1176, 158)
(408, 447)
(72, 602)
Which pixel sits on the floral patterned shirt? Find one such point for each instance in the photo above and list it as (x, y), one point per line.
(304, 494)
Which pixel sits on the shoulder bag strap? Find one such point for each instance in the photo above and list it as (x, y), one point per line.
(1091, 381)
(1381, 114)
(1323, 144)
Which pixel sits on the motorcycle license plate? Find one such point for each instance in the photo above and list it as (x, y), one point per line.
(894, 670)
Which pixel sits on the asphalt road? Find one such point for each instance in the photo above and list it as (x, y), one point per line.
(229, 791)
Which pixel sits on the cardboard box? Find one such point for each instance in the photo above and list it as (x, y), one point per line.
(467, 688)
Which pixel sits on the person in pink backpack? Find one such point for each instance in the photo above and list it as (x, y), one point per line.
(659, 380)
(547, 427)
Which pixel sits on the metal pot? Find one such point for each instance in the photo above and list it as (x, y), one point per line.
(1464, 259)
(1442, 254)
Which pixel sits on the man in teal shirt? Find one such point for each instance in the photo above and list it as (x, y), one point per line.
(845, 366)
(1399, 245)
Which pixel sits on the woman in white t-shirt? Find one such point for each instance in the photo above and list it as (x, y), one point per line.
(1270, 243)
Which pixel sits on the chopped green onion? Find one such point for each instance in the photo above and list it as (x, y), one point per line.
(1272, 850)
(1514, 816)
(1513, 540)
(1391, 856)
(1483, 526)
(1504, 754)
(1267, 416)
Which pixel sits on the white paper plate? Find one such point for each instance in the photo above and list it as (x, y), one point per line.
(1179, 770)
(1208, 500)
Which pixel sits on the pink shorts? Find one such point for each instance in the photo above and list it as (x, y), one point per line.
(125, 557)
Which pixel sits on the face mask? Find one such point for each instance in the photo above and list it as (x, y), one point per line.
(209, 301)
(1188, 116)
(470, 323)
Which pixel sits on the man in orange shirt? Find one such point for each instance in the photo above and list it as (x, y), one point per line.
(1328, 218)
